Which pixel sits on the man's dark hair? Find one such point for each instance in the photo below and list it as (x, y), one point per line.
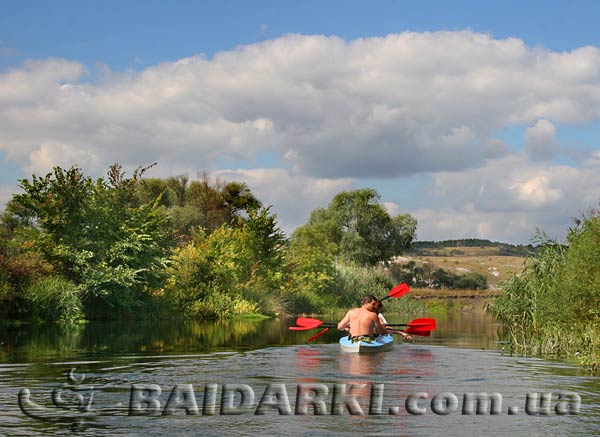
(369, 298)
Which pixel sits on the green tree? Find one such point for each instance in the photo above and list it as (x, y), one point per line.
(361, 229)
(231, 270)
(311, 270)
(471, 281)
(207, 203)
(96, 235)
(239, 200)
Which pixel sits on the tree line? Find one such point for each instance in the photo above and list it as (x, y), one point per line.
(73, 247)
(507, 249)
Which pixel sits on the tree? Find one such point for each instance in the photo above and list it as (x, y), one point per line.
(232, 266)
(361, 229)
(96, 234)
(206, 203)
(239, 199)
(218, 202)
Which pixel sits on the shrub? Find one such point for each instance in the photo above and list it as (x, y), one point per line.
(578, 285)
(553, 306)
(230, 271)
(54, 299)
(353, 282)
(471, 281)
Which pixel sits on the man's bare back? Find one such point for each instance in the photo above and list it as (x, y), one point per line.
(362, 321)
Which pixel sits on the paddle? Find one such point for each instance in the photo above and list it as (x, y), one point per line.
(417, 323)
(417, 331)
(412, 331)
(306, 323)
(309, 322)
(318, 335)
(397, 291)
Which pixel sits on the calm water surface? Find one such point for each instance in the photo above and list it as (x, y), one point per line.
(185, 360)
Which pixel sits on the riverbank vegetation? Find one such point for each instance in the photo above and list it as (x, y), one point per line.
(553, 307)
(75, 248)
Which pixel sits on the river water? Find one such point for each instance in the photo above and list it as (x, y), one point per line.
(259, 378)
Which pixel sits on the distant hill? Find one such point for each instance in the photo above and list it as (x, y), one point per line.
(496, 261)
(465, 246)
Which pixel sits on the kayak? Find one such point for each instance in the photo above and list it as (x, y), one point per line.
(380, 344)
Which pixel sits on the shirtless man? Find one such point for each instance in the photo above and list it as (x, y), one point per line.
(363, 321)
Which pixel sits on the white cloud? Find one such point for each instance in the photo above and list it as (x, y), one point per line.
(507, 199)
(449, 223)
(540, 141)
(392, 208)
(50, 155)
(334, 111)
(372, 107)
(537, 192)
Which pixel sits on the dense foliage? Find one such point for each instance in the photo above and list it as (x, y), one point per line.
(337, 256)
(93, 234)
(553, 307)
(122, 247)
(358, 228)
(233, 270)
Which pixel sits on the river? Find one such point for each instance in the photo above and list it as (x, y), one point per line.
(257, 377)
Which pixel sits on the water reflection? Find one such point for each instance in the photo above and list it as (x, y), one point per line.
(355, 364)
(33, 342)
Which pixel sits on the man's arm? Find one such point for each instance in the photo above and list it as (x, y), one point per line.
(345, 322)
(404, 334)
(381, 329)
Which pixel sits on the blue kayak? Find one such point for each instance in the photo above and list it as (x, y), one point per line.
(380, 344)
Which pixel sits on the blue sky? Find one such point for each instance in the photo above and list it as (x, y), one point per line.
(136, 34)
(481, 119)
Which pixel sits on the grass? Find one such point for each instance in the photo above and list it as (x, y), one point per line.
(578, 341)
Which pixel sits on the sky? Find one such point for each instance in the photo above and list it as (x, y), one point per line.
(480, 119)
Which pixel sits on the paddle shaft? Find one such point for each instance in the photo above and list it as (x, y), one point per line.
(310, 323)
(333, 325)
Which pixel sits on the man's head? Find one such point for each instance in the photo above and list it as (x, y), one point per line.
(378, 306)
(369, 298)
(370, 302)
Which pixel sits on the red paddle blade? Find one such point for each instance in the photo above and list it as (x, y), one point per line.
(318, 335)
(398, 290)
(308, 322)
(414, 331)
(422, 328)
(425, 321)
